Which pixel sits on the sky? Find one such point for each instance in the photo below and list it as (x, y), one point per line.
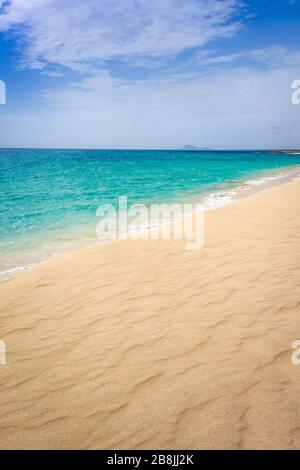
(149, 73)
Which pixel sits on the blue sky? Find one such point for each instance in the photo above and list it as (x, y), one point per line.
(149, 73)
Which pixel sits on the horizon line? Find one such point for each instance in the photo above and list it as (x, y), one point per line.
(182, 149)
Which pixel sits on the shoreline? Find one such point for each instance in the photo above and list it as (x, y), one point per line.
(259, 183)
(212, 201)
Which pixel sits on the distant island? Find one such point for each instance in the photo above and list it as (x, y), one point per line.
(192, 147)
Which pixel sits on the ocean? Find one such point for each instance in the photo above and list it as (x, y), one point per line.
(49, 198)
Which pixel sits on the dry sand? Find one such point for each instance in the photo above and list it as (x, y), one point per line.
(141, 344)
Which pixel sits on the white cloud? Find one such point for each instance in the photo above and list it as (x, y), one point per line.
(79, 34)
(271, 55)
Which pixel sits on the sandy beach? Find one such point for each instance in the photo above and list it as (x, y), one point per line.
(144, 345)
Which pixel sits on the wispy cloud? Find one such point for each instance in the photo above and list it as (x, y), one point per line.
(272, 55)
(84, 34)
(240, 108)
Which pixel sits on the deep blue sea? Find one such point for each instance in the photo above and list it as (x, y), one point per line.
(48, 198)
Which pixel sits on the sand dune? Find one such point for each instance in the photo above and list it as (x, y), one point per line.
(141, 344)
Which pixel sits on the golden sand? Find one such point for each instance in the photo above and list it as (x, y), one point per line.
(142, 344)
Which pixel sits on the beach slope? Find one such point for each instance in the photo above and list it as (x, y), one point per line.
(142, 344)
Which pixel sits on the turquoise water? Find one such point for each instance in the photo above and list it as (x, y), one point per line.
(49, 197)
